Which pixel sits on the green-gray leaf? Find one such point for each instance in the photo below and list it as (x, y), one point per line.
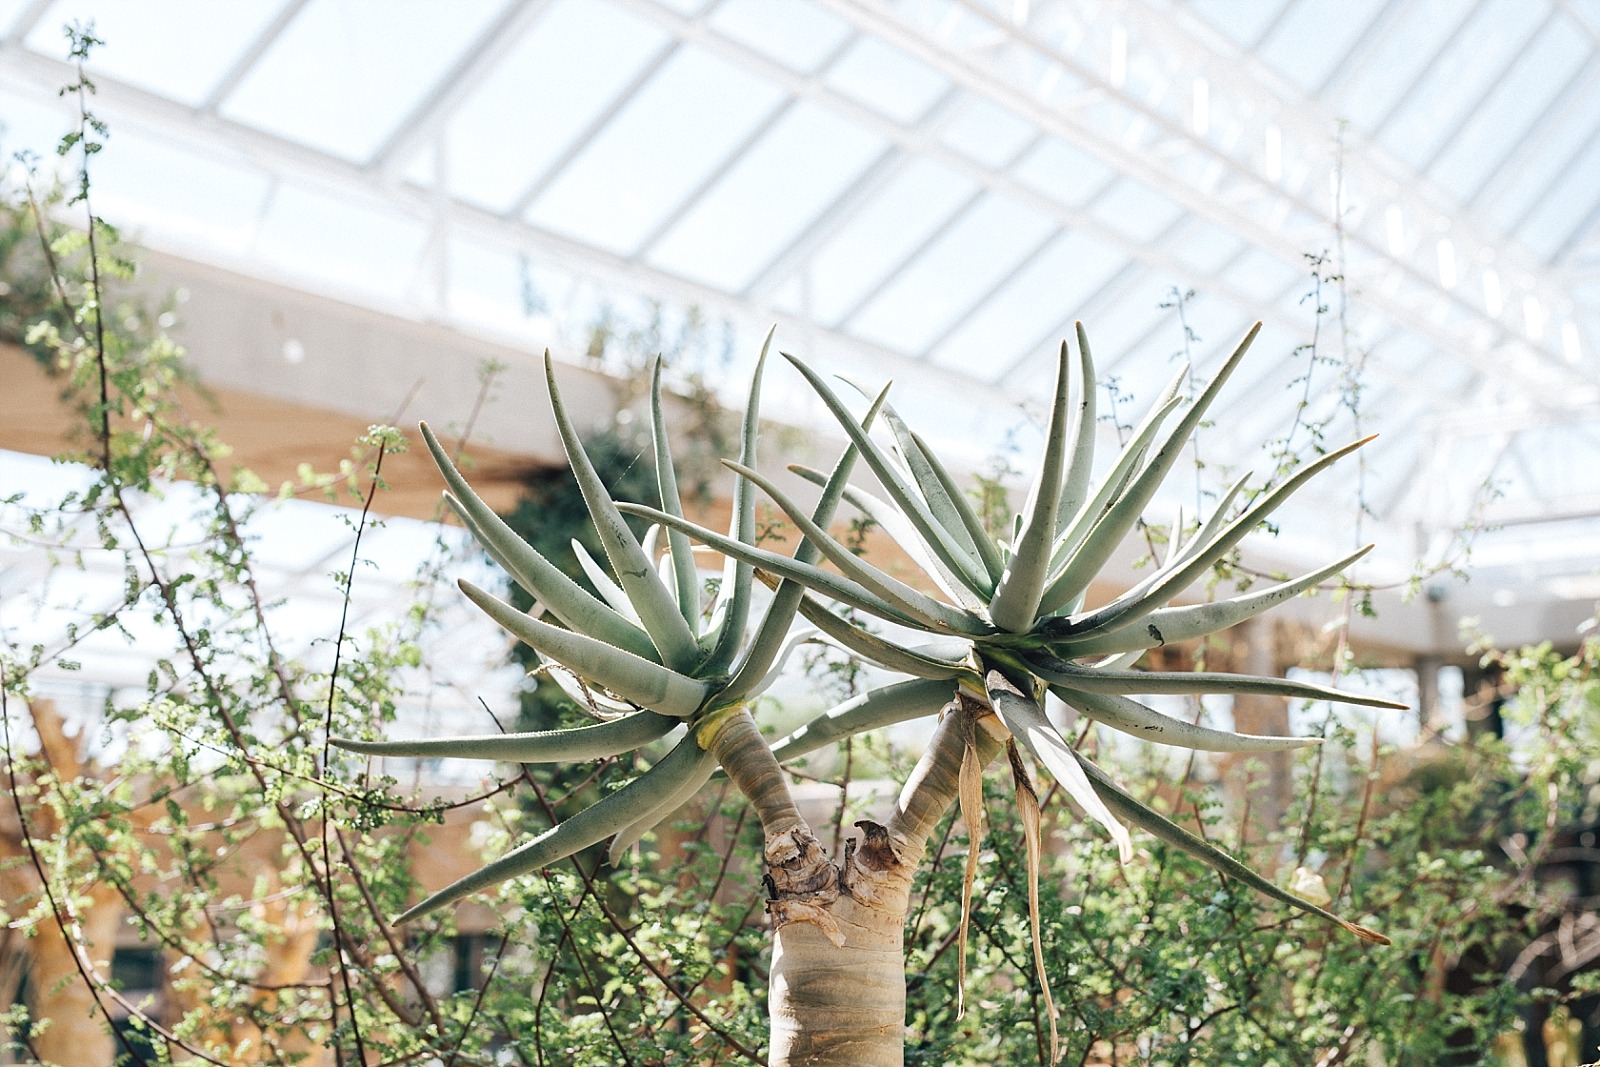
(543, 746)
(630, 677)
(595, 823)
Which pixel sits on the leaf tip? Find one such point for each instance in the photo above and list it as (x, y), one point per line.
(1365, 933)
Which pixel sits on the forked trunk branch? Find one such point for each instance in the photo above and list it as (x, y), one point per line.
(838, 993)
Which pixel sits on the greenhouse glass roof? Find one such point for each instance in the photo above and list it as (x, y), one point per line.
(937, 189)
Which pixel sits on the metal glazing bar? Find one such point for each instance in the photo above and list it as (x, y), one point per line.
(877, 176)
(247, 60)
(1408, 94)
(597, 125)
(476, 62)
(1453, 134)
(1170, 182)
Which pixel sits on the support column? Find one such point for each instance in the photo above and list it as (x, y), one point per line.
(1262, 781)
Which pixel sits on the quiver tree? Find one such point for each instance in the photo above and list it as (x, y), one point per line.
(655, 661)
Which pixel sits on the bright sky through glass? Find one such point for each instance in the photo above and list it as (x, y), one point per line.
(944, 185)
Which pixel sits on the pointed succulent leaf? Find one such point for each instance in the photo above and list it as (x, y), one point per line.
(809, 635)
(609, 591)
(841, 589)
(686, 579)
(1016, 598)
(1207, 533)
(581, 693)
(595, 823)
(1152, 822)
(941, 542)
(1105, 494)
(1120, 613)
(693, 779)
(634, 570)
(945, 501)
(1032, 728)
(1107, 533)
(872, 710)
(988, 551)
(544, 746)
(910, 602)
(1075, 491)
(758, 659)
(737, 573)
(1119, 662)
(568, 601)
(1085, 679)
(631, 677)
(884, 653)
(894, 523)
(1138, 720)
(1197, 620)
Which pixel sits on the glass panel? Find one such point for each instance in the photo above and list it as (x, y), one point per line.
(1566, 206)
(179, 195)
(684, 7)
(177, 48)
(1460, 77)
(345, 73)
(347, 244)
(495, 288)
(1133, 208)
(1207, 248)
(796, 33)
(26, 125)
(1548, 157)
(1023, 320)
(693, 113)
(887, 79)
(1520, 99)
(9, 10)
(1374, 82)
(1126, 322)
(1062, 172)
(977, 250)
(1244, 22)
(761, 205)
(987, 132)
(894, 222)
(1313, 37)
(1261, 275)
(572, 63)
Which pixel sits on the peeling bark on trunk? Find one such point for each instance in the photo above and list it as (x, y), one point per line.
(838, 991)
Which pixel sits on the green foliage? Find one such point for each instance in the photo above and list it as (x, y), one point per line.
(1164, 962)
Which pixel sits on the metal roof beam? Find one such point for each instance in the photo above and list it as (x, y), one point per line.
(917, 142)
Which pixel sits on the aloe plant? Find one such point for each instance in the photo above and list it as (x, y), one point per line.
(1011, 626)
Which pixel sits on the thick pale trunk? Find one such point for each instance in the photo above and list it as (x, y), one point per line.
(838, 991)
